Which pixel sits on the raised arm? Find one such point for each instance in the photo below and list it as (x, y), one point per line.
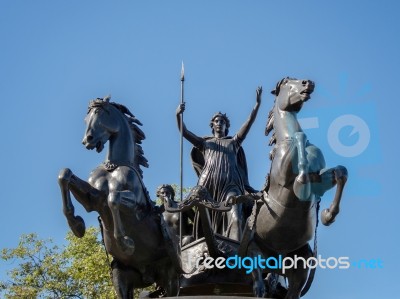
(241, 135)
(192, 138)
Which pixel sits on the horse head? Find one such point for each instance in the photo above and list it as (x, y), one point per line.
(101, 123)
(107, 120)
(293, 92)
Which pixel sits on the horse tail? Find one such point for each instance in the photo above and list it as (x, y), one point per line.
(170, 247)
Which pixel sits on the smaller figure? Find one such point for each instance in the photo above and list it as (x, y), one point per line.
(167, 194)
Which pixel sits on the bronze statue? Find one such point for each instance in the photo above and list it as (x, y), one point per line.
(135, 234)
(142, 238)
(167, 194)
(221, 166)
(285, 218)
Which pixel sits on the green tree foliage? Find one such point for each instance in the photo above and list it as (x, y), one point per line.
(78, 270)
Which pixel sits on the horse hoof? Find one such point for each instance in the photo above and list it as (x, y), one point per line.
(327, 217)
(127, 245)
(77, 226)
(341, 173)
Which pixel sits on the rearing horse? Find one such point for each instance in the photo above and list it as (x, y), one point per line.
(285, 219)
(134, 233)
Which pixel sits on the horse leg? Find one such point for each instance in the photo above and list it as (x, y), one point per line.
(297, 279)
(169, 280)
(302, 186)
(116, 202)
(328, 216)
(76, 223)
(259, 290)
(124, 279)
(84, 193)
(258, 283)
(298, 274)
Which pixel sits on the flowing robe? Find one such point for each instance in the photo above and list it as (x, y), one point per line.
(221, 166)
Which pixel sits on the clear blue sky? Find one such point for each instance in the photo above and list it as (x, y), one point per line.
(57, 55)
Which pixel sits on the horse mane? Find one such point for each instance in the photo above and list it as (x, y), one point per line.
(140, 160)
(137, 134)
(268, 128)
(270, 121)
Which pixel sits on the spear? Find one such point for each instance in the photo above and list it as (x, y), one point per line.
(181, 151)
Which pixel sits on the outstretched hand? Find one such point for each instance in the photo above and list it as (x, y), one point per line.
(258, 94)
(180, 109)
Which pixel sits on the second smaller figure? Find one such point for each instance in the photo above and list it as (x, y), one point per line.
(166, 193)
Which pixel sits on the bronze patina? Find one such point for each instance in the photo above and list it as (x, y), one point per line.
(220, 164)
(230, 219)
(135, 235)
(286, 214)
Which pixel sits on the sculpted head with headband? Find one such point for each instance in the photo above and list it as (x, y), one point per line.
(220, 121)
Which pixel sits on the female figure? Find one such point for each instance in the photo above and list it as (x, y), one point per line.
(221, 166)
